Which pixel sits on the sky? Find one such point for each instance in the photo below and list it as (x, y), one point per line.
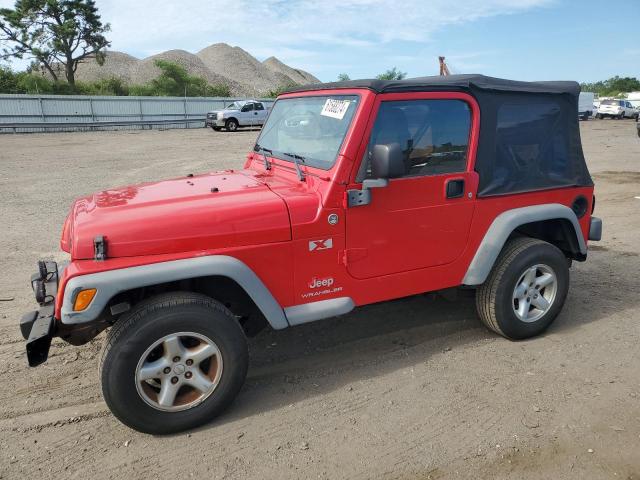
(583, 40)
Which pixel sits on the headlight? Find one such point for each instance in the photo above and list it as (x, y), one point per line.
(220, 115)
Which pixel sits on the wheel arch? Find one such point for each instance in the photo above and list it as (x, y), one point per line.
(204, 272)
(554, 223)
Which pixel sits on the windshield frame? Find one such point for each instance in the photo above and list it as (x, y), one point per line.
(314, 94)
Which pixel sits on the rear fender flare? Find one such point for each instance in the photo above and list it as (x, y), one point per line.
(110, 283)
(504, 224)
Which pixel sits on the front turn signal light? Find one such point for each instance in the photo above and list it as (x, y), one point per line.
(83, 299)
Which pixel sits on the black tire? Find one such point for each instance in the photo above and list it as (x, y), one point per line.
(495, 298)
(231, 125)
(598, 116)
(216, 129)
(151, 320)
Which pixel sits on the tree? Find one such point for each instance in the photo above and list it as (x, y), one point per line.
(175, 81)
(279, 90)
(392, 74)
(57, 34)
(613, 87)
(343, 77)
(8, 81)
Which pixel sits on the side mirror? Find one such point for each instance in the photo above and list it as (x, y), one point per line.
(387, 161)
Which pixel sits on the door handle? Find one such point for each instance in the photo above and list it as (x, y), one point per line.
(455, 188)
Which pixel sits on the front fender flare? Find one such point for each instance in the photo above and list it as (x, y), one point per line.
(112, 282)
(504, 224)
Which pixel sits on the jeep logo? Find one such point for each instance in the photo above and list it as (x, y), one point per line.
(320, 282)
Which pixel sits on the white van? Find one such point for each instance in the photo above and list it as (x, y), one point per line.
(585, 105)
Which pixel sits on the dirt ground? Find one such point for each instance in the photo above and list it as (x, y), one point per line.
(412, 389)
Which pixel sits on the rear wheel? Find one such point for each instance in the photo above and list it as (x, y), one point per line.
(231, 125)
(525, 290)
(175, 362)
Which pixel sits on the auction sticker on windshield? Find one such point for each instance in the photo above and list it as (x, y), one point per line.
(335, 108)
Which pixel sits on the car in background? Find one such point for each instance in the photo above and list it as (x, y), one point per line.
(247, 113)
(616, 108)
(585, 105)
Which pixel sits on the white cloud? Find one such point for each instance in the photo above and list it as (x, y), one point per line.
(151, 26)
(293, 30)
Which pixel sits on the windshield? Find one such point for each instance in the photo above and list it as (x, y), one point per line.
(311, 127)
(232, 106)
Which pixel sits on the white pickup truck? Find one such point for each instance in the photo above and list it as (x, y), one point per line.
(248, 113)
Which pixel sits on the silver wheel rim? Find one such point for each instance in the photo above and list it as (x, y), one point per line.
(178, 371)
(534, 293)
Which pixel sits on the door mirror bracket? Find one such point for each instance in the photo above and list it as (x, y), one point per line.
(356, 198)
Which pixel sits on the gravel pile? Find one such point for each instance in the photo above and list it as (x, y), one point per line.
(116, 64)
(219, 64)
(235, 63)
(296, 75)
(145, 70)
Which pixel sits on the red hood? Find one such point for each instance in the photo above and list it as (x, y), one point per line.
(224, 209)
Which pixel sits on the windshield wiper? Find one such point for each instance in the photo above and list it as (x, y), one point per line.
(296, 160)
(264, 151)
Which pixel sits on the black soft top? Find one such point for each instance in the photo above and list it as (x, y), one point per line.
(529, 132)
(450, 82)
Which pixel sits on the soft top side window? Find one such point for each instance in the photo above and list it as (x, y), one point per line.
(433, 135)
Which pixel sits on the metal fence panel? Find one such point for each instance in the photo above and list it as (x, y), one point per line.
(69, 112)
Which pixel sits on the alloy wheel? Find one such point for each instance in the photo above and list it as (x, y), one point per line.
(534, 293)
(179, 371)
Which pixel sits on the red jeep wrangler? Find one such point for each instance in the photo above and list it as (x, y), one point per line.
(356, 192)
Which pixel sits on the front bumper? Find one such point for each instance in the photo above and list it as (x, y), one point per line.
(38, 326)
(213, 122)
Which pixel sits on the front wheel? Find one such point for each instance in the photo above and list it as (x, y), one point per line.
(174, 363)
(231, 125)
(525, 290)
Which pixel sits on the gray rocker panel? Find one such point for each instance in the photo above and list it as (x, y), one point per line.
(112, 282)
(501, 228)
(310, 312)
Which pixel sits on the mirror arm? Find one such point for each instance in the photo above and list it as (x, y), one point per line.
(356, 198)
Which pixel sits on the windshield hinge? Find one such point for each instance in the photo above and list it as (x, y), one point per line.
(100, 248)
